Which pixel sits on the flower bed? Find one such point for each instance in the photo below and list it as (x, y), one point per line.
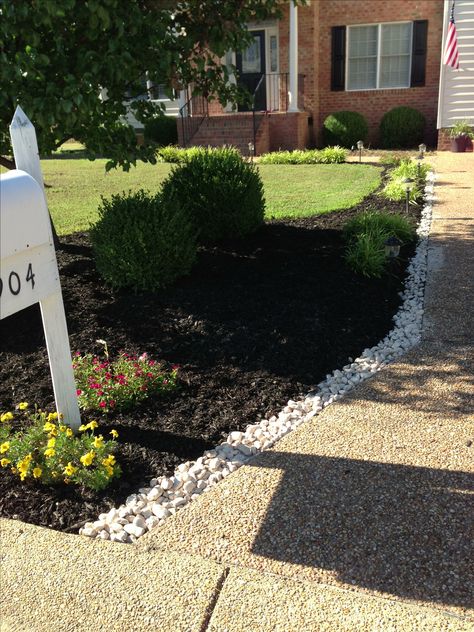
(256, 321)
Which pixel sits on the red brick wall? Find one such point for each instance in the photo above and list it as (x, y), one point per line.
(288, 131)
(374, 103)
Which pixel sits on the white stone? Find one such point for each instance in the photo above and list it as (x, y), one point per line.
(154, 493)
(160, 511)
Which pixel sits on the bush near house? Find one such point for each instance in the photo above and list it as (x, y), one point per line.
(402, 127)
(161, 130)
(345, 128)
(143, 241)
(221, 194)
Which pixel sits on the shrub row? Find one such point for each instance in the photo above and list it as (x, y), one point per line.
(401, 127)
(144, 242)
(395, 189)
(328, 155)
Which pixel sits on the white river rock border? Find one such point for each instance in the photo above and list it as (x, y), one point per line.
(152, 505)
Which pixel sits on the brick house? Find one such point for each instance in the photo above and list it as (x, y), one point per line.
(366, 56)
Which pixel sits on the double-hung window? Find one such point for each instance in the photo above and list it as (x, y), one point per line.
(379, 56)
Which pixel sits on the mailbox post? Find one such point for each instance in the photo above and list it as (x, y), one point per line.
(28, 267)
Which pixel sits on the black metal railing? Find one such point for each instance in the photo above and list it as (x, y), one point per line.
(271, 95)
(192, 114)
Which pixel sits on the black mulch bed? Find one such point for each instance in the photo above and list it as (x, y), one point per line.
(256, 323)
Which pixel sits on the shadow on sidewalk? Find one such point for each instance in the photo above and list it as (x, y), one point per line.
(406, 531)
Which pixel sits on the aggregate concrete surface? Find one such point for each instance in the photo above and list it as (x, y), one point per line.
(362, 519)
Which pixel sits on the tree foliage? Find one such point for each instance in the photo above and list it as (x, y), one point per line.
(57, 56)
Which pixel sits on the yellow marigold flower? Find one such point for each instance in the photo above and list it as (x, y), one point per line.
(37, 472)
(23, 475)
(51, 428)
(5, 462)
(52, 416)
(28, 458)
(6, 417)
(98, 441)
(86, 459)
(83, 428)
(69, 469)
(109, 460)
(22, 405)
(69, 432)
(51, 443)
(4, 447)
(109, 470)
(93, 424)
(50, 452)
(62, 428)
(114, 433)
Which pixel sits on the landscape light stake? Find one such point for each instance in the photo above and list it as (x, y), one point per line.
(392, 247)
(408, 184)
(360, 147)
(251, 147)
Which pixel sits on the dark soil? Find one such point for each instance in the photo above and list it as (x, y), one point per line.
(257, 322)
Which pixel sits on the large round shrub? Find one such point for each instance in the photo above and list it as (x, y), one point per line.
(161, 130)
(402, 127)
(344, 129)
(141, 242)
(222, 193)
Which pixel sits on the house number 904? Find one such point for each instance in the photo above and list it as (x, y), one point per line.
(14, 281)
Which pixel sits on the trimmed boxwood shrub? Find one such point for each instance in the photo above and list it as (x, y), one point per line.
(161, 130)
(402, 127)
(222, 193)
(142, 242)
(345, 129)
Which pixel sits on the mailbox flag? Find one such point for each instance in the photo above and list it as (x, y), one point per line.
(451, 54)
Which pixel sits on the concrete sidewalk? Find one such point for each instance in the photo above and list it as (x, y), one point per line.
(362, 519)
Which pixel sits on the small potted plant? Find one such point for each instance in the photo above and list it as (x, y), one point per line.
(461, 135)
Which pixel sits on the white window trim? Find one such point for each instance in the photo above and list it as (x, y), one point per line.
(379, 45)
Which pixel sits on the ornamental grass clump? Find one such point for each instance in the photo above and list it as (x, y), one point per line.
(44, 449)
(395, 189)
(105, 385)
(366, 235)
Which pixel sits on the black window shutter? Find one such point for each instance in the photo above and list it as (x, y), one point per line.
(418, 59)
(338, 58)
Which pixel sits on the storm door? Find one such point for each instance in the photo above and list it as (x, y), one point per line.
(251, 66)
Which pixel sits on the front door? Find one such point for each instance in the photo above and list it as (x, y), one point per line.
(251, 66)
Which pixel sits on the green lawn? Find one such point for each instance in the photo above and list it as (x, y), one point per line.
(74, 188)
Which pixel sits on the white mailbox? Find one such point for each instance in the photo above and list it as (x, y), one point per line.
(28, 270)
(28, 267)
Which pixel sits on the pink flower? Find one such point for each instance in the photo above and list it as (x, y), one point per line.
(143, 357)
(152, 363)
(102, 404)
(101, 392)
(175, 367)
(111, 403)
(78, 392)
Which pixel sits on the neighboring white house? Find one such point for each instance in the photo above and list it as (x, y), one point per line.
(456, 87)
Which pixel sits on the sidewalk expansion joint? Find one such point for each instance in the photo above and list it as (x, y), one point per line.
(215, 599)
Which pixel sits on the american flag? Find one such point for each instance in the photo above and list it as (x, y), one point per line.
(451, 55)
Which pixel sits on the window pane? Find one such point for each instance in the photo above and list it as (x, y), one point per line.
(251, 57)
(396, 39)
(363, 41)
(362, 73)
(395, 72)
(396, 55)
(362, 57)
(273, 53)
